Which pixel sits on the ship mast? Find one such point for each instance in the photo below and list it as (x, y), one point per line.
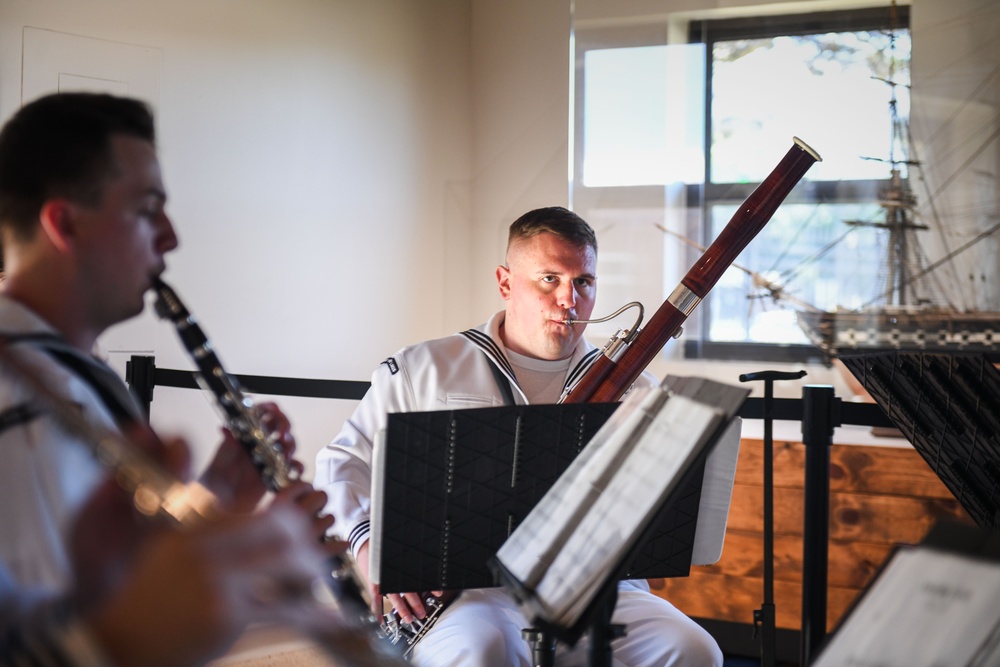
(898, 203)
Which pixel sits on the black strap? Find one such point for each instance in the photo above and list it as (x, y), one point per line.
(17, 415)
(122, 411)
(110, 389)
(502, 382)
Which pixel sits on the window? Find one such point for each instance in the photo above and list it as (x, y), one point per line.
(669, 140)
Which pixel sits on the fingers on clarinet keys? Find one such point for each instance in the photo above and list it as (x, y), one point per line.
(400, 632)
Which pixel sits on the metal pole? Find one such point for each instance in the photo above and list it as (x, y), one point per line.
(820, 414)
(603, 631)
(543, 647)
(139, 375)
(764, 618)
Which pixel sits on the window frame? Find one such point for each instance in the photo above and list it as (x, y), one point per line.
(708, 193)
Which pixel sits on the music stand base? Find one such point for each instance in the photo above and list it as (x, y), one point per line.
(543, 647)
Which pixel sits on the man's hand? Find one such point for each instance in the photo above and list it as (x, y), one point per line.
(107, 531)
(310, 502)
(188, 594)
(233, 477)
(408, 605)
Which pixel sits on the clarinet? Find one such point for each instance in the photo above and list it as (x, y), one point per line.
(236, 407)
(408, 634)
(155, 492)
(263, 447)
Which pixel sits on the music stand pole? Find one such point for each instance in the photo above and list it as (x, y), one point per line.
(763, 618)
(603, 631)
(543, 647)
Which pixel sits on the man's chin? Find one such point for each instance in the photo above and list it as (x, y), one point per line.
(561, 349)
(135, 310)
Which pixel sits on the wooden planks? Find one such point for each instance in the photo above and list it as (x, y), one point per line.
(879, 497)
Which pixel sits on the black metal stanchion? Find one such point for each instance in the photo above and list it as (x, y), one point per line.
(139, 375)
(820, 415)
(763, 618)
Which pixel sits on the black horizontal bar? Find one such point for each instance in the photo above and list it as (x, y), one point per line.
(851, 414)
(275, 386)
(858, 414)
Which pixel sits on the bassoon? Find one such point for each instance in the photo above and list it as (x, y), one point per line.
(625, 358)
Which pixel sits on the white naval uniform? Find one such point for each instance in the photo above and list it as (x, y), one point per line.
(46, 476)
(483, 626)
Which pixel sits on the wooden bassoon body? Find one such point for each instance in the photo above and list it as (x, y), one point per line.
(618, 367)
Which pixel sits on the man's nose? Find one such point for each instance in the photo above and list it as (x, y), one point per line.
(168, 236)
(567, 295)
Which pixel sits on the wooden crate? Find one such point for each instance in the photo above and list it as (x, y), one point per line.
(879, 497)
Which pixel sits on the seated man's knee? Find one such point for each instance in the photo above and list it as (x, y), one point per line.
(693, 647)
(486, 645)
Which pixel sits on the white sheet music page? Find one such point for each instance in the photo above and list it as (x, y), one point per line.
(928, 608)
(592, 543)
(531, 548)
(617, 518)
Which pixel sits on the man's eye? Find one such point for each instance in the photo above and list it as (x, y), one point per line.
(582, 282)
(149, 210)
(548, 279)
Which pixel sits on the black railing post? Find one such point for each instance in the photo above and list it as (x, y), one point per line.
(820, 415)
(140, 372)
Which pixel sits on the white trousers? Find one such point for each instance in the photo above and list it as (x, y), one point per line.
(482, 628)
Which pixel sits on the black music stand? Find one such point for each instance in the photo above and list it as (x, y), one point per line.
(948, 406)
(764, 618)
(456, 483)
(562, 583)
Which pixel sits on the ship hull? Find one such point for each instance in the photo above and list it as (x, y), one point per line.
(927, 329)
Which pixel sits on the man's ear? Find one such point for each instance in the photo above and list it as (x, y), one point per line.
(58, 223)
(503, 281)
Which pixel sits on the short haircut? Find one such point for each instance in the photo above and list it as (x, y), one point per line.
(555, 220)
(60, 146)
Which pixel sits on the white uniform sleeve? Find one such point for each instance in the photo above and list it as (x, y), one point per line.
(343, 468)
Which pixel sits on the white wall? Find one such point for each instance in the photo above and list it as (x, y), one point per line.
(520, 111)
(317, 156)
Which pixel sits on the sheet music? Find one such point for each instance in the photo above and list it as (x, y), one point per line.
(928, 608)
(566, 502)
(716, 494)
(606, 509)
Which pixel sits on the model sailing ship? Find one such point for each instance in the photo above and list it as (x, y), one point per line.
(909, 312)
(906, 319)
